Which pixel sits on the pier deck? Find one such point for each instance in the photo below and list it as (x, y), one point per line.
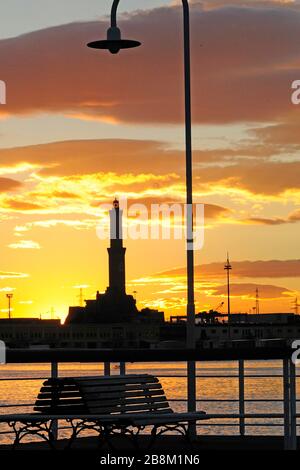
(169, 444)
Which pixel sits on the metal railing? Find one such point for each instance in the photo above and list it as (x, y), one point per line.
(287, 420)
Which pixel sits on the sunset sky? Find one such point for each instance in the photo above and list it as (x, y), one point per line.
(82, 126)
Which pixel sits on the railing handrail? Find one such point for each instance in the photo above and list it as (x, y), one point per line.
(23, 356)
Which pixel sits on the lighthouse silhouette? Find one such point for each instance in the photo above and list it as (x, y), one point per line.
(114, 306)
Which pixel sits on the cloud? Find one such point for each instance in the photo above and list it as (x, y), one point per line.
(211, 4)
(79, 176)
(95, 156)
(71, 180)
(213, 211)
(248, 291)
(101, 166)
(12, 275)
(84, 224)
(7, 184)
(265, 221)
(244, 269)
(257, 177)
(292, 218)
(18, 205)
(25, 245)
(63, 195)
(244, 60)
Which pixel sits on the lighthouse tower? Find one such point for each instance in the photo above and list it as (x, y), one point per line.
(114, 306)
(116, 252)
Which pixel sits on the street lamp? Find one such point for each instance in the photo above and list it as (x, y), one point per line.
(114, 43)
(9, 296)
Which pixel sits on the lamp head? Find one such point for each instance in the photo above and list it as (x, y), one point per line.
(114, 42)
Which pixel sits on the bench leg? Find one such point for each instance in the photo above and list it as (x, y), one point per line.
(159, 430)
(41, 429)
(79, 426)
(110, 431)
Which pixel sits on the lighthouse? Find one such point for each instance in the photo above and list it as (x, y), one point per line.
(114, 306)
(116, 251)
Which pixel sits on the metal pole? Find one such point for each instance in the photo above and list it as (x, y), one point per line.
(286, 404)
(293, 407)
(191, 367)
(122, 368)
(54, 424)
(228, 291)
(242, 396)
(114, 9)
(107, 368)
(189, 180)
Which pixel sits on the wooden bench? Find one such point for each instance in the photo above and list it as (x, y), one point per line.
(122, 405)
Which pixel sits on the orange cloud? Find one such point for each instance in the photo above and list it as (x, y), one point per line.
(292, 218)
(21, 205)
(244, 63)
(76, 177)
(244, 269)
(248, 291)
(7, 184)
(251, 169)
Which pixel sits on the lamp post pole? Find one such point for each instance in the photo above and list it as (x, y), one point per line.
(114, 44)
(191, 372)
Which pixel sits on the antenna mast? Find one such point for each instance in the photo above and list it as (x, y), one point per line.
(228, 268)
(257, 302)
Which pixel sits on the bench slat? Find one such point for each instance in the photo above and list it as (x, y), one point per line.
(62, 410)
(102, 389)
(46, 402)
(89, 383)
(127, 409)
(104, 393)
(120, 401)
(62, 394)
(61, 387)
(129, 394)
(119, 378)
(105, 379)
(116, 388)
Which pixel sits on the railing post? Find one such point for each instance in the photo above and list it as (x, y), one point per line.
(191, 390)
(106, 368)
(289, 392)
(242, 396)
(286, 410)
(54, 424)
(293, 405)
(122, 368)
